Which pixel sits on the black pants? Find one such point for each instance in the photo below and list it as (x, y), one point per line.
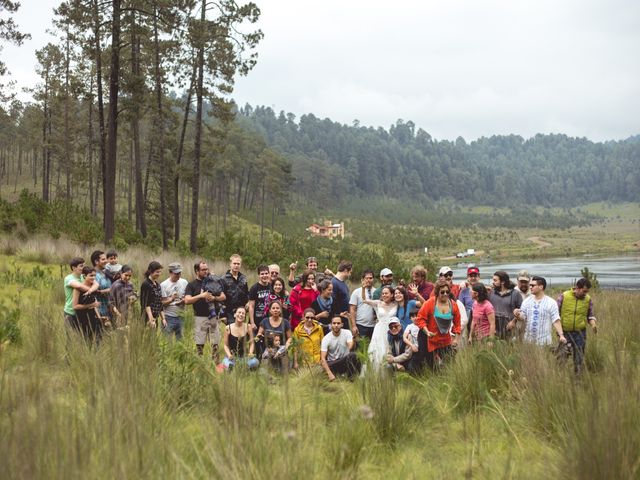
(348, 365)
(363, 331)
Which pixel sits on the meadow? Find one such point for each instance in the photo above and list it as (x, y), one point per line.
(143, 407)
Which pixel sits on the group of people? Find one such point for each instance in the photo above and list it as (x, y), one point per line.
(315, 319)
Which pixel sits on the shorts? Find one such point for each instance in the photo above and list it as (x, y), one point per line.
(204, 327)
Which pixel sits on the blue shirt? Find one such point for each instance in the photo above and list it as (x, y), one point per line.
(340, 296)
(103, 284)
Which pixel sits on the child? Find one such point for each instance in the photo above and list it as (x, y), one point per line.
(211, 284)
(275, 351)
(411, 332)
(112, 268)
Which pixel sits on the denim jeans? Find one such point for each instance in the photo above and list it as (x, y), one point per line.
(251, 362)
(174, 325)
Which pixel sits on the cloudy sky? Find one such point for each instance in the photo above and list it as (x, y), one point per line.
(453, 67)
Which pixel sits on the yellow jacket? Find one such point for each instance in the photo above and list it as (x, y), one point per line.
(309, 348)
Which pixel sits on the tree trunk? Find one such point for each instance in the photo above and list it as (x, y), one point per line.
(176, 180)
(193, 241)
(159, 144)
(112, 128)
(141, 222)
(102, 130)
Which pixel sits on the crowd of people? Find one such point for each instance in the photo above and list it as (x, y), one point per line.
(319, 322)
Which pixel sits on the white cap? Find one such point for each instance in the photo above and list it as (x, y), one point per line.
(444, 271)
(385, 271)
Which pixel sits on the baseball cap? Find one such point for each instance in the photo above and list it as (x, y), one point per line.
(444, 271)
(471, 270)
(394, 320)
(524, 275)
(175, 267)
(385, 271)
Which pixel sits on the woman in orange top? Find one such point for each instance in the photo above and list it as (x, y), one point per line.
(439, 319)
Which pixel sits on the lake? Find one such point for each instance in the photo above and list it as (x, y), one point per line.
(621, 272)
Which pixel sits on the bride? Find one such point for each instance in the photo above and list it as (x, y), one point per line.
(385, 308)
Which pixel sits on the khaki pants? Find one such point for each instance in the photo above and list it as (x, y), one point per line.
(206, 327)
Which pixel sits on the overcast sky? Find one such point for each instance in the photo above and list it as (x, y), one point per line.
(455, 67)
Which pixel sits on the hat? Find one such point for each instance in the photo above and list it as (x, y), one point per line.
(394, 320)
(385, 271)
(444, 271)
(524, 275)
(471, 270)
(175, 267)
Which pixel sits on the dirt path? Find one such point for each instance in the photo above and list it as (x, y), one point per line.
(539, 242)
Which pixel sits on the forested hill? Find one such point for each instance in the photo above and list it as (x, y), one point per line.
(548, 170)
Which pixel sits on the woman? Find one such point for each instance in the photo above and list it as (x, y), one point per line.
(309, 334)
(438, 320)
(276, 334)
(302, 296)
(483, 320)
(151, 296)
(405, 305)
(385, 308)
(323, 304)
(86, 307)
(122, 296)
(238, 342)
(505, 299)
(279, 292)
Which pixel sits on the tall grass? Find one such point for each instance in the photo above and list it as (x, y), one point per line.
(140, 406)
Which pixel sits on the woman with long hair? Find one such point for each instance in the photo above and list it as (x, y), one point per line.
(439, 324)
(302, 296)
(151, 296)
(279, 292)
(238, 342)
(121, 296)
(386, 309)
(483, 320)
(401, 296)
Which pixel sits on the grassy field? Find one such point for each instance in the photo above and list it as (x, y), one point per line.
(141, 407)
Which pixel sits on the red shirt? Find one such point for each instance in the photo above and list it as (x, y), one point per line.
(427, 319)
(300, 299)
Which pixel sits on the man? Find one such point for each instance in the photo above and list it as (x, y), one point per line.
(419, 289)
(74, 281)
(341, 290)
(235, 286)
(398, 352)
(336, 356)
(386, 279)
(576, 311)
(312, 264)
(446, 274)
(523, 284)
(99, 261)
(541, 315)
(204, 326)
(259, 297)
(173, 295)
(363, 316)
(274, 271)
(473, 277)
(505, 299)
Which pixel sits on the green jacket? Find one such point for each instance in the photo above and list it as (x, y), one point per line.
(574, 312)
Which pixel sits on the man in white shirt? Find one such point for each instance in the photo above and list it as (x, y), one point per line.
(336, 354)
(173, 291)
(541, 314)
(363, 317)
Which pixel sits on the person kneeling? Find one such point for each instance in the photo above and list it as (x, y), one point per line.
(398, 352)
(336, 354)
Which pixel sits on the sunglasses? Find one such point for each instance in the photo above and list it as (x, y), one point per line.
(394, 325)
(309, 317)
(444, 292)
(533, 284)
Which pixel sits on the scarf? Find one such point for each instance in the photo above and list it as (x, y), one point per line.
(394, 341)
(325, 305)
